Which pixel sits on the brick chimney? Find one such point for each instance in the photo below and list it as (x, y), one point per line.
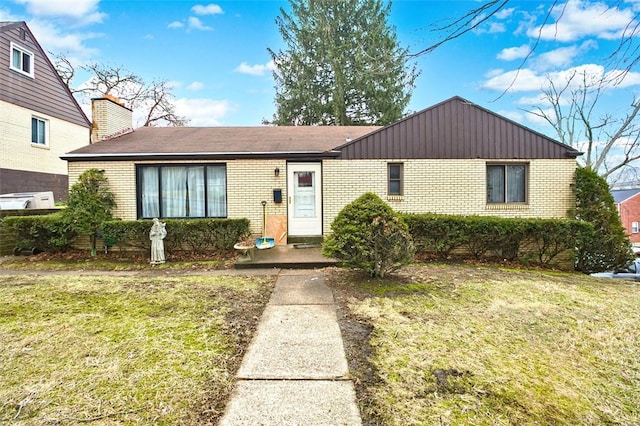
(110, 118)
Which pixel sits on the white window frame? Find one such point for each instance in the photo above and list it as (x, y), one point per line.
(635, 228)
(19, 67)
(46, 131)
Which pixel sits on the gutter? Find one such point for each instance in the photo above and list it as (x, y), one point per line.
(198, 156)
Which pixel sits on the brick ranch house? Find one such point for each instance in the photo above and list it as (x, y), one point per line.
(454, 157)
(628, 204)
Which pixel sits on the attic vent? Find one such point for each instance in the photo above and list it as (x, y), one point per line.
(23, 34)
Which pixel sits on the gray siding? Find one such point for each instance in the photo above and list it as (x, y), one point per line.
(455, 129)
(46, 93)
(12, 181)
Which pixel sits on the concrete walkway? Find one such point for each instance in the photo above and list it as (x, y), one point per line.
(295, 371)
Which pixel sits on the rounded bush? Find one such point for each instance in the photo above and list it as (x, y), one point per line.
(367, 234)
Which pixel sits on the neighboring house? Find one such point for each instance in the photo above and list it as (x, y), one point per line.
(628, 205)
(454, 157)
(39, 118)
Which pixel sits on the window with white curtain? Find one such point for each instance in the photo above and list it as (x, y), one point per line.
(182, 191)
(507, 183)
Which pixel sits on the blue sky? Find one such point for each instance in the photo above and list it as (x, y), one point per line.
(215, 53)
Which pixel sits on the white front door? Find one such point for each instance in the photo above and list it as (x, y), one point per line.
(304, 189)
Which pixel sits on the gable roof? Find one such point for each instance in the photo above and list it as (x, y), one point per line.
(455, 129)
(621, 195)
(174, 143)
(46, 93)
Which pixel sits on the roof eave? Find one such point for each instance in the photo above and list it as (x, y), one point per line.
(200, 156)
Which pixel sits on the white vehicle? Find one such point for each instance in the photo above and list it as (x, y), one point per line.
(631, 272)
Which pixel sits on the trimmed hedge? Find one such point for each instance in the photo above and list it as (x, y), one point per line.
(539, 241)
(200, 236)
(44, 233)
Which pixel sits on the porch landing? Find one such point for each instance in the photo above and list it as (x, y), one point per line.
(291, 256)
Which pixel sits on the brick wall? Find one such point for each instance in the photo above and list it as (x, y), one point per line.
(439, 186)
(109, 118)
(248, 183)
(629, 212)
(447, 186)
(18, 153)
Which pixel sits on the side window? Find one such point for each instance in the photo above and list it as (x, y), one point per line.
(39, 131)
(21, 60)
(507, 183)
(634, 227)
(395, 179)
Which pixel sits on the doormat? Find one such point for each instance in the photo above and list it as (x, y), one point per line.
(306, 245)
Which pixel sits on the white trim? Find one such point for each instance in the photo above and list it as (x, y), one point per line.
(17, 68)
(309, 223)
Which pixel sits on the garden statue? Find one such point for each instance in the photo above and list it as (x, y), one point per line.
(156, 235)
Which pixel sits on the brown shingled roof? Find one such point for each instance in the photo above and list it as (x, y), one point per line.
(214, 142)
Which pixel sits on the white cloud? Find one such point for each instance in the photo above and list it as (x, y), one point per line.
(72, 45)
(175, 24)
(505, 13)
(576, 19)
(563, 56)
(210, 9)
(511, 53)
(526, 79)
(203, 112)
(258, 69)
(81, 12)
(195, 86)
(196, 24)
(522, 80)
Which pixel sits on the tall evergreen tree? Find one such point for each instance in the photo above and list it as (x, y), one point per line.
(342, 65)
(608, 246)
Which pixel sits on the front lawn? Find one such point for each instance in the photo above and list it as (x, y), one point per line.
(114, 350)
(465, 345)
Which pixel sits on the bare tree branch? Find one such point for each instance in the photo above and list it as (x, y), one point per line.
(155, 98)
(469, 22)
(573, 106)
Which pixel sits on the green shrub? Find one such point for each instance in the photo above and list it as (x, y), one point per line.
(607, 247)
(48, 233)
(533, 240)
(197, 235)
(491, 237)
(548, 238)
(439, 234)
(89, 204)
(369, 235)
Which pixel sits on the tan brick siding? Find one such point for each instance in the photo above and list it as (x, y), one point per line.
(108, 119)
(447, 186)
(439, 186)
(248, 183)
(18, 153)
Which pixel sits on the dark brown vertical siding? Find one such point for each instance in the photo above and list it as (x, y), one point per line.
(456, 128)
(45, 93)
